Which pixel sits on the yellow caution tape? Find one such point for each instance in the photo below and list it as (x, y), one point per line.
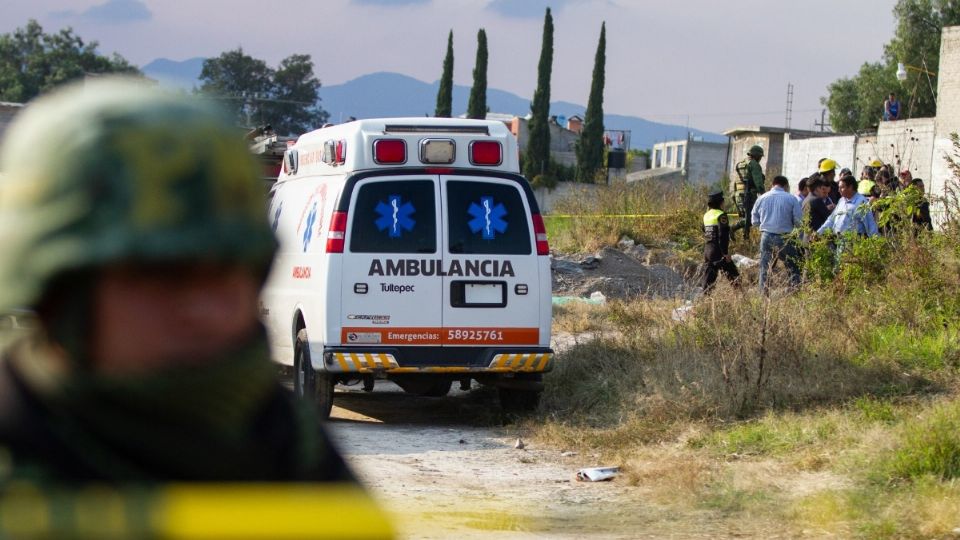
(193, 512)
(268, 511)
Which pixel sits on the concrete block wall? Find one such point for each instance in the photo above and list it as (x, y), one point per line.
(772, 144)
(547, 199)
(706, 162)
(800, 156)
(867, 150)
(948, 111)
(907, 144)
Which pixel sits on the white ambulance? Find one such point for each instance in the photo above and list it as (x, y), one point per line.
(411, 250)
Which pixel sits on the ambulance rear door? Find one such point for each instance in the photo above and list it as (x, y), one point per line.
(391, 292)
(492, 284)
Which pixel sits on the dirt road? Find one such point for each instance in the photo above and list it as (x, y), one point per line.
(445, 469)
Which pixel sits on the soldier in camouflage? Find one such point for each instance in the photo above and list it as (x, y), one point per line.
(132, 222)
(748, 185)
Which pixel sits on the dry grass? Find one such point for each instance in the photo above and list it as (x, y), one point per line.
(648, 212)
(832, 410)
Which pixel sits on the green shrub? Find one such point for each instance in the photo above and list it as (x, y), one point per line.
(928, 447)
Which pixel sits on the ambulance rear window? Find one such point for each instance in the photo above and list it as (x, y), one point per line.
(395, 217)
(487, 218)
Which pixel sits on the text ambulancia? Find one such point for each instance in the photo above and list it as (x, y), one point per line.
(411, 250)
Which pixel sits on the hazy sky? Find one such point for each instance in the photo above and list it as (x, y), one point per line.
(713, 64)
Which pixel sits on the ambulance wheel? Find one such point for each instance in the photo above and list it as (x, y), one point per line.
(307, 383)
(324, 394)
(519, 401)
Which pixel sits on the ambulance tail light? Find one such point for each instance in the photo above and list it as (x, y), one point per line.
(540, 230)
(337, 233)
(486, 153)
(390, 151)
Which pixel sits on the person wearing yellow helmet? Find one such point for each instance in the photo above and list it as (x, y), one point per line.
(828, 172)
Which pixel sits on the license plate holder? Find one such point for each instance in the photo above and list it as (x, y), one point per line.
(484, 294)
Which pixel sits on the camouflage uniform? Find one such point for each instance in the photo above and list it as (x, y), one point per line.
(117, 172)
(748, 185)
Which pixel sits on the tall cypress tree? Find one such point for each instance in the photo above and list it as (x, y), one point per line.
(538, 147)
(477, 106)
(445, 92)
(590, 145)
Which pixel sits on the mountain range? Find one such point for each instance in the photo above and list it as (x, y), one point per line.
(385, 94)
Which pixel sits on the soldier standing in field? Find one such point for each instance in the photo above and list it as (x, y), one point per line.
(748, 185)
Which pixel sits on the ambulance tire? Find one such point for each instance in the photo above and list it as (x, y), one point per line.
(324, 394)
(307, 382)
(519, 401)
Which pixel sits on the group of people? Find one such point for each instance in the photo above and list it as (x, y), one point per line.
(825, 203)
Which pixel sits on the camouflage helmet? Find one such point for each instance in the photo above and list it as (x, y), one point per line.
(755, 151)
(115, 170)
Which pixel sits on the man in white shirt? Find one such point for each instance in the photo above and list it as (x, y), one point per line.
(852, 213)
(776, 213)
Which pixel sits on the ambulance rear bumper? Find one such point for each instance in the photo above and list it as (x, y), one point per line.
(437, 360)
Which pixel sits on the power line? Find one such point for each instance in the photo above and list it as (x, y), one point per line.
(745, 113)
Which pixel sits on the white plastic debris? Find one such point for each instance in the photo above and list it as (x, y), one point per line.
(568, 453)
(681, 313)
(743, 262)
(519, 444)
(597, 474)
(597, 297)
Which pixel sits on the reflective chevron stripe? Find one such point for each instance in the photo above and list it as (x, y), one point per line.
(364, 362)
(522, 362)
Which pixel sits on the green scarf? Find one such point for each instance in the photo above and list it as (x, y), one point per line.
(199, 422)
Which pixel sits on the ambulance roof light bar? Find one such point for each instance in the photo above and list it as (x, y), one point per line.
(407, 128)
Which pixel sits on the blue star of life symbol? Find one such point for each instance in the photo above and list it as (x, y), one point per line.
(308, 230)
(395, 216)
(488, 218)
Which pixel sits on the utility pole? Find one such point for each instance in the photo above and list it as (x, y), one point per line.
(789, 116)
(822, 123)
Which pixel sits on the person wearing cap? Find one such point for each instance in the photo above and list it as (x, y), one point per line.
(828, 171)
(133, 223)
(749, 184)
(777, 213)
(716, 235)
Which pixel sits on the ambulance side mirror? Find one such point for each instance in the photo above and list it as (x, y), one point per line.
(290, 162)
